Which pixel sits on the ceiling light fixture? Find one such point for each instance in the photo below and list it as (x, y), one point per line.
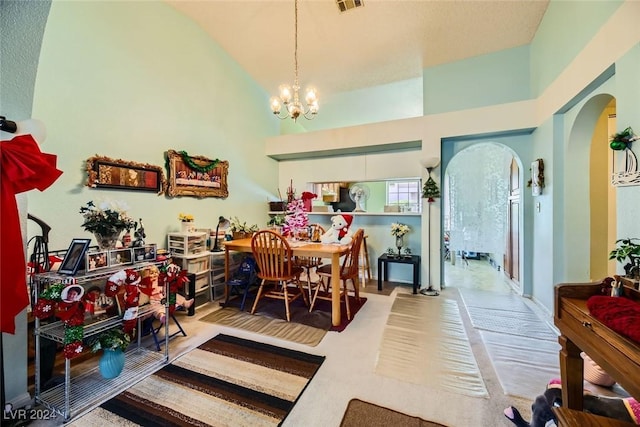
(289, 96)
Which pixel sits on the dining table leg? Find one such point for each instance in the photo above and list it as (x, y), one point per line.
(335, 289)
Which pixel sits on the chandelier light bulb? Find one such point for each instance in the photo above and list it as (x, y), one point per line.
(275, 104)
(285, 93)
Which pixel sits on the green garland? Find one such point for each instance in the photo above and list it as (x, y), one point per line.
(189, 161)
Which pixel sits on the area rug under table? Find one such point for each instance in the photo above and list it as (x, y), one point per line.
(364, 414)
(424, 342)
(226, 381)
(305, 327)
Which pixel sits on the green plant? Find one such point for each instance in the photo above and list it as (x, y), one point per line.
(241, 227)
(278, 219)
(106, 218)
(627, 249)
(112, 339)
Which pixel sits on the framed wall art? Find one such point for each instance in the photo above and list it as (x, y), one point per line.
(74, 258)
(103, 172)
(196, 176)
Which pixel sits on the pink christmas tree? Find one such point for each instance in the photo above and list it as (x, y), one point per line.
(296, 217)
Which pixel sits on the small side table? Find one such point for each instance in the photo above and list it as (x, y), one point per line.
(383, 268)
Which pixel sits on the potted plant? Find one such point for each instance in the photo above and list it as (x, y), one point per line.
(113, 343)
(241, 230)
(628, 250)
(276, 222)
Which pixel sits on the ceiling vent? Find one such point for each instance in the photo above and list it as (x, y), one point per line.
(345, 5)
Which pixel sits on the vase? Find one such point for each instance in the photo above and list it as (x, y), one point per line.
(188, 227)
(399, 244)
(107, 241)
(111, 363)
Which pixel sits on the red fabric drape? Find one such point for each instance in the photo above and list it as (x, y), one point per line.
(23, 167)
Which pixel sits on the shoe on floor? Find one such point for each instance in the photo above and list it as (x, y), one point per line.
(188, 303)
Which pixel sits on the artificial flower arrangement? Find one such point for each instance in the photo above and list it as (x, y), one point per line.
(399, 230)
(185, 217)
(106, 218)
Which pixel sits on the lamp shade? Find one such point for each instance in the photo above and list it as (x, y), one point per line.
(430, 163)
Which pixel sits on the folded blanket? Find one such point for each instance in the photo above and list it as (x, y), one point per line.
(618, 313)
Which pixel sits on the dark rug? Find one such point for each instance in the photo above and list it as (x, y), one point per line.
(363, 414)
(319, 318)
(225, 381)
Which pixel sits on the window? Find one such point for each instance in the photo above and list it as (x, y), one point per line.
(405, 194)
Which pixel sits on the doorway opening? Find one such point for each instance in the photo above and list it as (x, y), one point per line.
(482, 218)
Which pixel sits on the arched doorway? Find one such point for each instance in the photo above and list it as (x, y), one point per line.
(589, 198)
(482, 217)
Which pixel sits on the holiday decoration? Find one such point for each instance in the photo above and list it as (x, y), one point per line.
(340, 230)
(430, 190)
(172, 276)
(296, 218)
(23, 167)
(71, 313)
(126, 282)
(622, 140)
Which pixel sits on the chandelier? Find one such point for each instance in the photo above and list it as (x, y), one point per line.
(289, 96)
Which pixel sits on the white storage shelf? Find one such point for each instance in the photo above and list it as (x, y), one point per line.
(83, 392)
(186, 244)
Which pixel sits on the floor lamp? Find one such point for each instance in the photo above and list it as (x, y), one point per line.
(430, 191)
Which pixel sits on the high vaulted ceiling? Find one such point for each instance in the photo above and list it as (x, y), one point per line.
(382, 42)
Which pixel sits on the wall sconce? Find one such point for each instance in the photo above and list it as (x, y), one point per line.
(430, 189)
(34, 127)
(224, 223)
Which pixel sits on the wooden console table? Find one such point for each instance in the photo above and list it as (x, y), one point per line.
(616, 354)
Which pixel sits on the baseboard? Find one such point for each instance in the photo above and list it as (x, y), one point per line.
(21, 401)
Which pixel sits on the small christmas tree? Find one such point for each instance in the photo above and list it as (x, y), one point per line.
(296, 217)
(430, 190)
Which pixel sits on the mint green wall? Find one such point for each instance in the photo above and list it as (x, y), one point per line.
(130, 80)
(628, 114)
(495, 78)
(392, 101)
(567, 26)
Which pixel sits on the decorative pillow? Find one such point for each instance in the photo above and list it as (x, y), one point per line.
(618, 313)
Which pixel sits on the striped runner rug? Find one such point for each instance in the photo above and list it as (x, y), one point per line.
(226, 381)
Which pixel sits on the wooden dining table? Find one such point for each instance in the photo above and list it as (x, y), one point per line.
(303, 249)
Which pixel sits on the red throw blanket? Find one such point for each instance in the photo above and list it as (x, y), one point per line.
(618, 313)
(23, 167)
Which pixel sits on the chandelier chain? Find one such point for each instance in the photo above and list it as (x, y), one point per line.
(290, 96)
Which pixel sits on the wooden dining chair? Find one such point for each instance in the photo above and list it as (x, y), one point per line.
(349, 271)
(279, 277)
(308, 263)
